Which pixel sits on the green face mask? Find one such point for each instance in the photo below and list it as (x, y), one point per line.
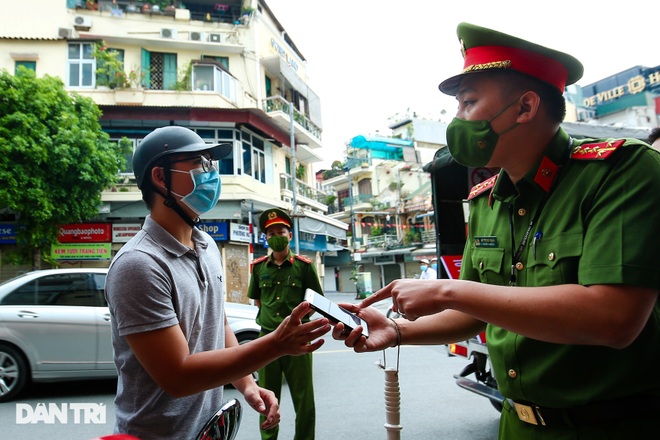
(472, 143)
(278, 243)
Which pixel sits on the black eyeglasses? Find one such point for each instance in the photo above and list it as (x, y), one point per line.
(206, 163)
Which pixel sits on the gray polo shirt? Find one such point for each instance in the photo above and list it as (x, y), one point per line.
(156, 282)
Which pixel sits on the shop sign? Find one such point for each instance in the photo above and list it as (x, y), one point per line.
(95, 251)
(85, 233)
(121, 233)
(239, 233)
(217, 230)
(7, 233)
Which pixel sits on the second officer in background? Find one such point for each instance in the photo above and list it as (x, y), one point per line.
(277, 284)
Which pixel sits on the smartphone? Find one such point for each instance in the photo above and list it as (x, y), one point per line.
(334, 312)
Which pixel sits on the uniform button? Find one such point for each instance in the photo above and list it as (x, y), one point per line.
(520, 266)
(522, 212)
(293, 284)
(277, 314)
(547, 172)
(512, 373)
(481, 265)
(551, 256)
(278, 298)
(278, 282)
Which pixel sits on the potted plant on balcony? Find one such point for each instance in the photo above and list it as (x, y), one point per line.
(110, 69)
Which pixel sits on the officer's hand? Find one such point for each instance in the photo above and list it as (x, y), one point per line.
(382, 332)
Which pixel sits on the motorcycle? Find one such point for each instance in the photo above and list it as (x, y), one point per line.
(485, 384)
(222, 426)
(450, 185)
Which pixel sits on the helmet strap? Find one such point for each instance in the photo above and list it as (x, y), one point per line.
(170, 201)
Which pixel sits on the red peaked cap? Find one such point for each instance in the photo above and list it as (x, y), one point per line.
(488, 50)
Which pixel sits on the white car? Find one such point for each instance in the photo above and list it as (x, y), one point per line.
(55, 326)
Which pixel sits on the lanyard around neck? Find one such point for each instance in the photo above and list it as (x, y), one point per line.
(515, 258)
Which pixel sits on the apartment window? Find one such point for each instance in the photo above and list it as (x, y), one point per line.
(128, 156)
(81, 65)
(107, 75)
(213, 78)
(159, 69)
(219, 136)
(30, 65)
(254, 158)
(223, 61)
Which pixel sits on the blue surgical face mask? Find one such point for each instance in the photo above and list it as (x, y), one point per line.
(206, 192)
(434, 266)
(423, 268)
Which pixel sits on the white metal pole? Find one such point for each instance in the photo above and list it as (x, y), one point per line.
(292, 140)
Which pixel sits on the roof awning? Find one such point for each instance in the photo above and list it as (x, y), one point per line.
(382, 147)
(314, 226)
(430, 252)
(382, 253)
(229, 210)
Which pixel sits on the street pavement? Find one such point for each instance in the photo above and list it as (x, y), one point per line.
(349, 390)
(350, 400)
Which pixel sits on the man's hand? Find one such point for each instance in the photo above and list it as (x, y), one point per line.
(265, 403)
(295, 338)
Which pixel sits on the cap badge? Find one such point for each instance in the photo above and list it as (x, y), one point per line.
(272, 216)
(463, 48)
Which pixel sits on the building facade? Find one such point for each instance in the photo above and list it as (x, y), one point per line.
(227, 70)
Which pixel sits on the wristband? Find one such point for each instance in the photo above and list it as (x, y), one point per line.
(398, 333)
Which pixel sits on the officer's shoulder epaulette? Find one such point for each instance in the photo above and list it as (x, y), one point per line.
(259, 260)
(304, 259)
(596, 150)
(482, 187)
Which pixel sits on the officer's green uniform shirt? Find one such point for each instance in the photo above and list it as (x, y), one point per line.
(281, 288)
(599, 226)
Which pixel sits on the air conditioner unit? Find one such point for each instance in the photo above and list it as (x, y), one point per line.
(197, 36)
(65, 33)
(217, 38)
(81, 22)
(168, 33)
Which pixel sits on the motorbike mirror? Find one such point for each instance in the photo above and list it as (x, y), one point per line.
(224, 424)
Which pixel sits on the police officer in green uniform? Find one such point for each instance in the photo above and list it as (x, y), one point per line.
(560, 262)
(277, 284)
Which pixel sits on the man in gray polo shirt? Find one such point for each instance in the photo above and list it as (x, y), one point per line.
(173, 347)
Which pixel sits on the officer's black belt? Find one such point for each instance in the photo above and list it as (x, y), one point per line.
(595, 413)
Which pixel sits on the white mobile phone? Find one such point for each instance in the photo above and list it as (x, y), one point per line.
(334, 312)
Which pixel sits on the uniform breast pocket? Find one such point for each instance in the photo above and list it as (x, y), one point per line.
(294, 281)
(489, 264)
(554, 260)
(265, 284)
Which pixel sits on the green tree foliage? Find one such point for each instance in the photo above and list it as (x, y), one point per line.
(337, 169)
(54, 160)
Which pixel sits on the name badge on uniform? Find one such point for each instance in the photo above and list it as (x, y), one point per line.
(485, 242)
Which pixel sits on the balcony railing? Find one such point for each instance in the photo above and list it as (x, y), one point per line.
(428, 236)
(346, 202)
(302, 189)
(384, 241)
(279, 104)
